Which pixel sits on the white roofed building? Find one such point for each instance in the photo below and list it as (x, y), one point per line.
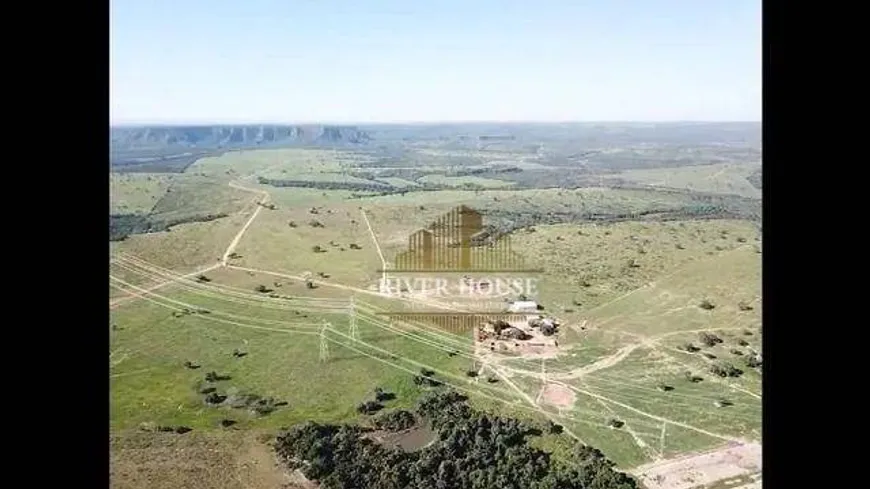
(523, 306)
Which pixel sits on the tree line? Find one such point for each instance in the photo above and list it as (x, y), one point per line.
(472, 450)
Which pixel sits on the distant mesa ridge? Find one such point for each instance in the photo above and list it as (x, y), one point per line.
(235, 135)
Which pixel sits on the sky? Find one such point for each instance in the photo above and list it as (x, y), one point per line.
(365, 61)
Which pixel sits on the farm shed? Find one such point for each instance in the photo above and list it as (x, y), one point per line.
(523, 306)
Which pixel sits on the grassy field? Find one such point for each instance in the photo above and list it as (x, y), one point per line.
(671, 304)
(275, 162)
(648, 325)
(150, 344)
(186, 247)
(192, 194)
(590, 264)
(271, 243)
(723, 178)
(136, 193)
(627, 293)
(226, 459)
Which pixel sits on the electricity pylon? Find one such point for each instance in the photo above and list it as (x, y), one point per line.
(324, 346)
(352, 332)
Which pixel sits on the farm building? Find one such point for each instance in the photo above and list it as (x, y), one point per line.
(523, 306)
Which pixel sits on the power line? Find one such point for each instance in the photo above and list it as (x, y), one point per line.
(353, 330)
(324, 346)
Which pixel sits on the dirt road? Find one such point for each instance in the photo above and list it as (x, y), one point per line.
(264, 198)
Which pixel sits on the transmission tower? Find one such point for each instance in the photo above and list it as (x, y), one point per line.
(352, 332)
(324, 346)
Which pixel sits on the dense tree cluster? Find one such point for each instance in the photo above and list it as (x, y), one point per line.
(473, 450)
(725, 369)
(709, 339)
(123, 225)
(370, 186)
(395, 420)
(753, 361)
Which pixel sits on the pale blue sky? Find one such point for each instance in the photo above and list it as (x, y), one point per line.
(212, 61)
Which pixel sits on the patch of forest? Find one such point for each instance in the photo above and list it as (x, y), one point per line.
(177, 163)
(121, 226)
(371, 186)
(473, 450)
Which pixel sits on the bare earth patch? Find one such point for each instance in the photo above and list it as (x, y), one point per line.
(558, 396)
(702, 469)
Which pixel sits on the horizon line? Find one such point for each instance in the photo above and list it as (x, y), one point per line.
(423, 122)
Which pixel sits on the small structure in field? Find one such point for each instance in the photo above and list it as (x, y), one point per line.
(523, 307)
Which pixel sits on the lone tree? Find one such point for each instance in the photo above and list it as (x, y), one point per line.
(725, 369)
(369, 407)
(709, 339)
(263, 289)
(318, 249)
(214, 398)
(693, 378)
(214, 377)
(753, 361)
(382, 395)
(706, 305)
